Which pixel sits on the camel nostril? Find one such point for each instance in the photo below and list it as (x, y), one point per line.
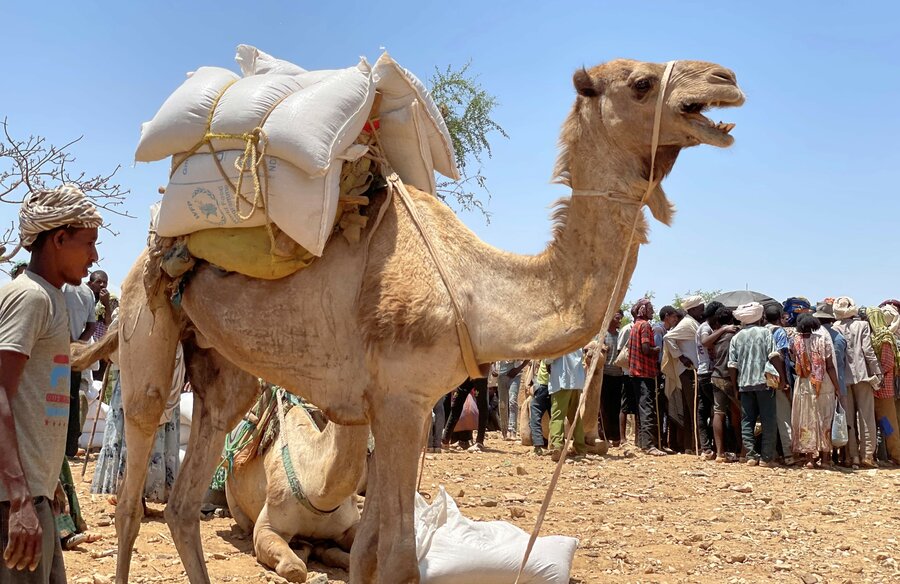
(722, 76)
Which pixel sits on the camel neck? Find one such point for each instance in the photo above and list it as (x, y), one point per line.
(556, 301)
(341, 458)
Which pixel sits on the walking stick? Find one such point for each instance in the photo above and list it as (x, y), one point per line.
(87, 450)
(658, 420)
(696, 415)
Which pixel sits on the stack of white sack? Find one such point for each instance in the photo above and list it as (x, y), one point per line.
(93, 397)
(301, 126)
(452, 549)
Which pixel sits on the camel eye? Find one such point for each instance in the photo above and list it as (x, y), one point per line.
(643, 85)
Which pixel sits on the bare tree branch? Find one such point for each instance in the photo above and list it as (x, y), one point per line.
(30, 164)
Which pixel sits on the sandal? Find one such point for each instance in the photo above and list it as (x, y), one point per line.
(654, 451)
(76, 539)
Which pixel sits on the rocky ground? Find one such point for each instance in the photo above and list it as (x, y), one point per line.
(639, 519)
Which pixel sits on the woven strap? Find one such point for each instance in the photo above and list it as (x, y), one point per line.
(466, 346)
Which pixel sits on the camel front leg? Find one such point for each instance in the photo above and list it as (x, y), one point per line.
(146, 358)
(363, 554)
(398, 424)
(222, 395)
(273, 551)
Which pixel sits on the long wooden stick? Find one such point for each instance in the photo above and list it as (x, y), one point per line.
(87, 450)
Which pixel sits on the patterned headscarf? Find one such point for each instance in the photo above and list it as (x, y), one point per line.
(794, 307)
(892, 318)
(640, 309)
(49, 209)
(882, 335)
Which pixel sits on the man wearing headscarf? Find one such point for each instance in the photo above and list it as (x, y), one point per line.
(680, 362)
(59, 228)
(643, 365)
(862, 376)
(751, 355)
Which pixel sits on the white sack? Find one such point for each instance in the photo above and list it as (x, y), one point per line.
(181, 121)
(252, 61)
(245, 105)
(452, 549)
(89, 423)
(311, 127)
(304, 208)
(399, 88)
(186, 412)
(402, 137)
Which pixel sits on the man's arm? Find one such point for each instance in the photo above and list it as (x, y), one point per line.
(514, 372)
(732, 373)
(778, 362)
(24, 548)
(709, 341)
(88, 333)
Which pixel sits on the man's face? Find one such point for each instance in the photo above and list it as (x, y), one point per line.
(98, 283)
(785, 319)
(616, 321)
(76, 252)
(670, 321)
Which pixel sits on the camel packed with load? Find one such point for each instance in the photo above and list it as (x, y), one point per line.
(267, 165)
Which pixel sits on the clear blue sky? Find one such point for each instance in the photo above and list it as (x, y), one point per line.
(804, 203)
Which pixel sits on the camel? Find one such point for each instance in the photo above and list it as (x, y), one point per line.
(369, 333)
(329, 464)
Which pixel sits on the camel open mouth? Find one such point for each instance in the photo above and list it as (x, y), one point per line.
(708, 131)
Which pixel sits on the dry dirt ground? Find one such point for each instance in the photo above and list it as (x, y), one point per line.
(638, 518)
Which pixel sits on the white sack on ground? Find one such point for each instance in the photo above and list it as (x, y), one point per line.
(186, 408)
(180, 122)
(452, 549)
(399, 88)
(402, 137)
(89, 423)
(252, 61)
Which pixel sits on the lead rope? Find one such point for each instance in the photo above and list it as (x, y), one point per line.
(651, 184)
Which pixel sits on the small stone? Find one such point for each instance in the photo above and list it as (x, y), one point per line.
(746, 488)
(460, 494)
(489, 502)
(516, 512)
(219, 556)
(101, 579)
(104, 523)
(808, 578)
(737, 559)
(514, 498)
(317, 579)
(520, 470)
(775, 514)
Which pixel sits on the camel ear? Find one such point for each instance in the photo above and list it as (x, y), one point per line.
(586, 85)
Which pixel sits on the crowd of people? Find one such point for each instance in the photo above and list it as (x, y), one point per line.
(760, 383)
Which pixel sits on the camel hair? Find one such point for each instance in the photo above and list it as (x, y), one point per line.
(368, 334)
(329, 464)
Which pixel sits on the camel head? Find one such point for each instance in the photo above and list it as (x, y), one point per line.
(611, 124)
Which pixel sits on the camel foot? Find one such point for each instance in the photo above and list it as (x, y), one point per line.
(600, 447)
(291, 570)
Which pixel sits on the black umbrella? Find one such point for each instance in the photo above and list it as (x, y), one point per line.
(738, 297)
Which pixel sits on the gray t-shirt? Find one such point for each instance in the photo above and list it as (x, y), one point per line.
(34, 322)
(82, 308)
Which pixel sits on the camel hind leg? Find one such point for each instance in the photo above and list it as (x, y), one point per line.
(222, 395)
